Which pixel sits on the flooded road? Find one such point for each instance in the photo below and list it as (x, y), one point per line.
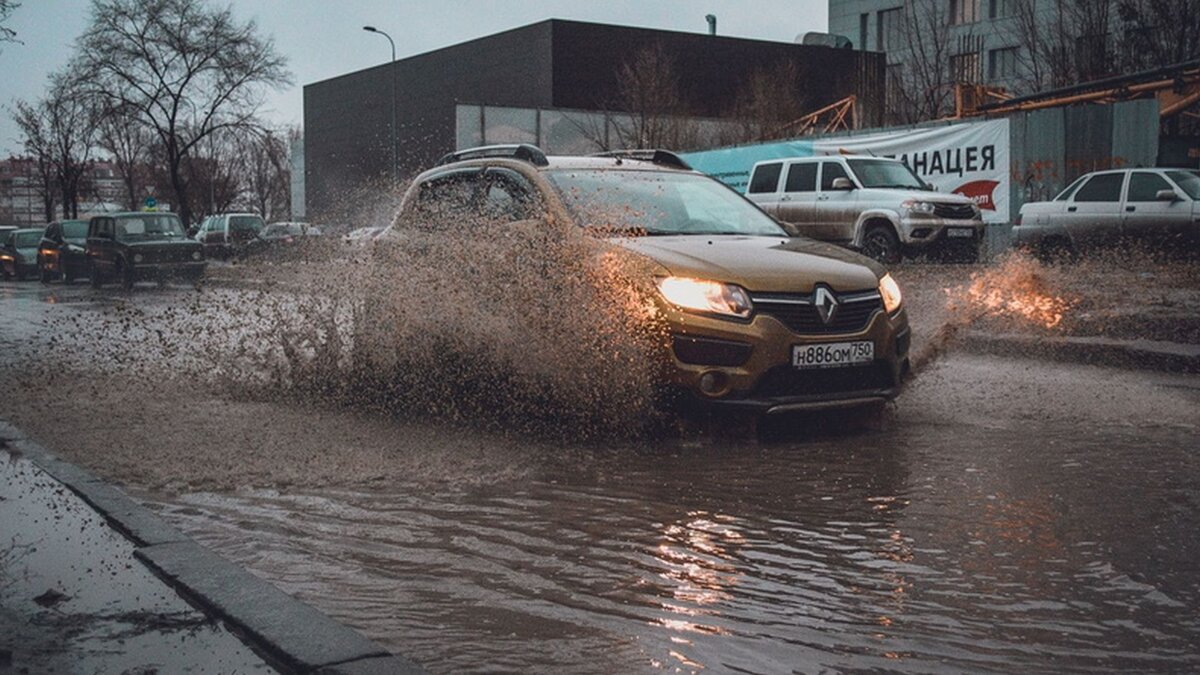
(1011, 515)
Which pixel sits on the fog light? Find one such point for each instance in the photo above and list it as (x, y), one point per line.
(137, 257)
(921, 232)
(713, 383)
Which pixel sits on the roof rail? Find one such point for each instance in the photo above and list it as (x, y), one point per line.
(663, 157)
(522, 151)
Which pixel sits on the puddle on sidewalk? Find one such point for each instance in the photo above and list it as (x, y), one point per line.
(74, 599)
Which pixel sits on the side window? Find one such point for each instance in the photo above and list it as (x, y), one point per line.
(1105, 187)
(1144, 186)
(1066, 194)
(830, 171)
(509, 197)
(801, 178)
(448, 200)
(51, 232)
(765, 178)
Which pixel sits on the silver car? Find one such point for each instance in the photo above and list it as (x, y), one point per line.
(1103, 207)
(874, 204)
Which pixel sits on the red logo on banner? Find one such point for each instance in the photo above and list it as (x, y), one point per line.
(979, 191)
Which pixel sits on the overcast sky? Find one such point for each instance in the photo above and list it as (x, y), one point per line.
(324, 38)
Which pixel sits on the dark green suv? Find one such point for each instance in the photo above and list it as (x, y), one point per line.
(132, 247)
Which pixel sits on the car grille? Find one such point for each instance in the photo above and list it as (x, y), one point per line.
(954, 211)
(798, 312)
(789, 381)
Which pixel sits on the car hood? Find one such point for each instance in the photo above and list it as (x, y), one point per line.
(762, 264)
(27, 251)
(901, 194)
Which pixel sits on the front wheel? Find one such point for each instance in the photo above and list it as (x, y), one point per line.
(125, 272)
(880, 242)
(44, 274)
(94, 275)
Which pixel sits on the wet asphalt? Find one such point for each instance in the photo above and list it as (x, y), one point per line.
(1009, 515)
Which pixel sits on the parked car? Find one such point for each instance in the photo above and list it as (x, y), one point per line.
(874, 204)
(277, 238)
(61, 251)
(760, 322)
(225, 234)
(1103, 207)
(18, 257)
(132, 247)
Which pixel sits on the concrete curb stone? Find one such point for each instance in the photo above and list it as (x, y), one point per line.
(292, 633)
(1138, 354)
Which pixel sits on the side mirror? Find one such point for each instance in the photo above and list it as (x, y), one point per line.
(927, 186)
(1166, 196)
(842, 183)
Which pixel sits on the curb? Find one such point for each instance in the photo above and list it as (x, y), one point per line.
(1136, 354)
(294, 636)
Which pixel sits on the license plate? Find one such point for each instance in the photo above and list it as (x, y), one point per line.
(960, 232)
(833, 354)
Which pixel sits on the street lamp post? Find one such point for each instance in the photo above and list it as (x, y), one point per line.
(373, 29)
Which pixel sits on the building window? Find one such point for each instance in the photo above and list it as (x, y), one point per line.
(964, 11)
(964, 68)
(1002, 64)
(862, 30)
(890, 29)
(998, 9)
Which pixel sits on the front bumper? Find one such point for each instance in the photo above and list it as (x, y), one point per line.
(929, 231)
(175, 270)
(767, 382)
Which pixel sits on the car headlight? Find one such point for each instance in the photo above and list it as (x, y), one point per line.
(138, 257)
(706, 296)
(890, 290)
(196, 255)
(915, 206)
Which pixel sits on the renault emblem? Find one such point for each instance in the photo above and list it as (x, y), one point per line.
(826, 303)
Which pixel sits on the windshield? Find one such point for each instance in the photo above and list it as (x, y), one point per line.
(148, 227)
(281, 229)
(659, 202)
(1187, 181)
(882, 173)
(26, 239)
(74, 229)
(246, 224)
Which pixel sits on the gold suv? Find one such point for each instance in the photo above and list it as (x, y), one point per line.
(758, 320)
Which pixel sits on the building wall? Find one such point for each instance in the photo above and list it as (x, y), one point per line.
(993, 30)
(552, 64)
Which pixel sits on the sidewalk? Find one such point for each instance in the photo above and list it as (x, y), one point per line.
(90, 581)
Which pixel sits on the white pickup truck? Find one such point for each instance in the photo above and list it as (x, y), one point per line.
(874, 204)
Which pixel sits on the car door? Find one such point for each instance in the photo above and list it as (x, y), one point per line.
(798, 204)
(1094, 214)
(1147, 216)
(50, 248)
(836, 210)
(763, 188)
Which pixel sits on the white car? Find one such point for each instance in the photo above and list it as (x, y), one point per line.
(1103, 207)
(874, 204)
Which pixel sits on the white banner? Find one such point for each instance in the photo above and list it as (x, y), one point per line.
(969, 159)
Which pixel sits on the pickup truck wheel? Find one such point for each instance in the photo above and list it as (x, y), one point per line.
(880, 242)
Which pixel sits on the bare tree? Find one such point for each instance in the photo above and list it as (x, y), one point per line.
(268, 175)
(1157, 33)
(186, 69)
(33, 121)
(6, 9)
(772, 98)
(651, 98)
(923, 89)
(1065, 42)
(59, 133)
(127, 141)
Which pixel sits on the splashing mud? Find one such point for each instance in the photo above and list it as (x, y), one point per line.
(1017, 293)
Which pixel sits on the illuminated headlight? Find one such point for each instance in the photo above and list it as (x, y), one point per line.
(890, 290)
(706, 296)
(914, 206)
(138, 257)
(196, 255)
